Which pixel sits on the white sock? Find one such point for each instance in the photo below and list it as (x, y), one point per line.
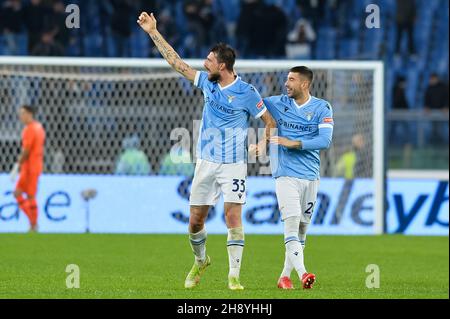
(295, 252)
(287, 266)
(302, 233)
(198, 245)
(235, 247)
(294, 249)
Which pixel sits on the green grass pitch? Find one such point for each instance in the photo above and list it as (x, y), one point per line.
(154, 266)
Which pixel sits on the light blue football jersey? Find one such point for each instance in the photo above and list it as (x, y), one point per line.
(312, 123)
(226, 113)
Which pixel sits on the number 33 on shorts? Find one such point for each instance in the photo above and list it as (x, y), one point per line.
(239, 187)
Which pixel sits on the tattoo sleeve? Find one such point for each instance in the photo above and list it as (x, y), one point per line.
(172, 57)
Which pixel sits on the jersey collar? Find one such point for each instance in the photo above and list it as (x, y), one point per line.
(229, 85)
(300, 106)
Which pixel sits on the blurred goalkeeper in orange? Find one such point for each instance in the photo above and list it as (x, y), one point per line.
(30, 164)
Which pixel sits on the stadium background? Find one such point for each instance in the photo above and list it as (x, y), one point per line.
(86, 139)
(108, 29)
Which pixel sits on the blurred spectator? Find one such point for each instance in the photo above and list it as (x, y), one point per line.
(200, 26)
(47, 46)
(196, 34)
(133, 161)
(168, 28)
(35, 15)
(276, 30)
(250, 35)
(121, 26)
(436, 95)
(400, 133)
(405, 19)
(57, 23)
(351, 163)
(177, 162)
(346, 23)
(12, 23)
(229, 11)
(208, 19)
(300, 40)
(258, 25)
(399, 96)
(148, 5)
(313, 10)
(436, 99)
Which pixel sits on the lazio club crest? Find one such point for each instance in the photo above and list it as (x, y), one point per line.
(230, 98)
(309, 115)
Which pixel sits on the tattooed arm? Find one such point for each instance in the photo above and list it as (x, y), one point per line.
(148, 24)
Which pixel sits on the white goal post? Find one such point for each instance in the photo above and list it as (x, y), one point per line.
(355, 89)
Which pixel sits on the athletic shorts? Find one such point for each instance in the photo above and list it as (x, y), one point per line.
(212, 179)
(296, 197)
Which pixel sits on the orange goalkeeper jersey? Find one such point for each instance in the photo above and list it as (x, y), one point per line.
(33, 139)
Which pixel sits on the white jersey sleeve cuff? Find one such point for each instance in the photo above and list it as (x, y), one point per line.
(197, 77)
(261, 113)
(325, 126)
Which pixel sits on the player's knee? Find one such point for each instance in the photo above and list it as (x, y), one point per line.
(195, 226)
(233, 209)
(196, 221)
(233, 217)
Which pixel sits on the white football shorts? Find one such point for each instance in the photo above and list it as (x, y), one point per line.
(296, 197)
(212, 179)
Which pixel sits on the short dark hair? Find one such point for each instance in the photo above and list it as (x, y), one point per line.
(305, 71)
(30, 109)
(225, 54)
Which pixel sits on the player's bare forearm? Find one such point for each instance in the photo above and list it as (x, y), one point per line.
(270, 127)
(278, 140)
(269, 130)
(172, 56)
(148, 24)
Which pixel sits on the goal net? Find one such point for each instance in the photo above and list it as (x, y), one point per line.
(93, 108)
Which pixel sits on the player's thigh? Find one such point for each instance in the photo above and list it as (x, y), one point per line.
(33, 185)
(28, 183)
(232, 179)
(21, 184)
(204, 189)
(288, 196)
(309, 199)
